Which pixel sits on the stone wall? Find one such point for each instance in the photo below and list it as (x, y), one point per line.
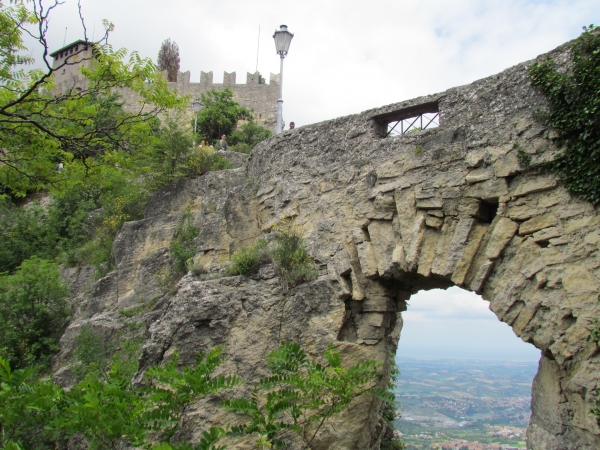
(260, 99)
(383, 218)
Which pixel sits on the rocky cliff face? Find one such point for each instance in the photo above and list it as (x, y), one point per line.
(384, 218)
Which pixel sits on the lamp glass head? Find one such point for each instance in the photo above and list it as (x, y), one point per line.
(283, 39)
(196, 104)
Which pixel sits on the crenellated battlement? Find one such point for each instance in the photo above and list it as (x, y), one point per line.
(260, 99)
(229, 79)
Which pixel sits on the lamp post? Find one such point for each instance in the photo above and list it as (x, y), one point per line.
(283, 39)
(196, 105)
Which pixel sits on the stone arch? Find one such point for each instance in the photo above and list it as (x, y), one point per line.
(386, 261)
(455, 205)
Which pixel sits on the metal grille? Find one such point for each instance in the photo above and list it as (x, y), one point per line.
(410, 124)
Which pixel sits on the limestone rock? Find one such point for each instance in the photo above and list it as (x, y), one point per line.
(488, 190)
(537, 184)
(538, 223)
(382, 222)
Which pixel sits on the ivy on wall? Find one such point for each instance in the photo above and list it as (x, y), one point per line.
(574, 113)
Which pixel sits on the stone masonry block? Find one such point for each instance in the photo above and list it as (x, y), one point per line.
(502, 233)
(488, 190)
(537, 223)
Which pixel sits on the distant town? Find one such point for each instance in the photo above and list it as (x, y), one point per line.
(463, 404)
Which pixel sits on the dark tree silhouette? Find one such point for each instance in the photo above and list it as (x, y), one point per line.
(168, 59)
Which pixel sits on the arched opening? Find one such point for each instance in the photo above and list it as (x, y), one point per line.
(465, 378)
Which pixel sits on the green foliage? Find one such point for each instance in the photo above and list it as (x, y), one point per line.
(175, 390)
(241, 147)
(301, 395)
(388, 411)
(220, 114)
(75, 226)
(523, 157)
(168, 158)
(574, 107)
(248, 259)
(182, 246)
(292, 261)
(250, 133)
(85, 128)
(33, 313)
(261, 79)
(26, 406)
(92, 353)
(24, 232)
(106, 412)
(204, 159)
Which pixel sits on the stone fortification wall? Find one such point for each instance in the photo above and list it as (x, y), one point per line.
(384, 218)
(260, 99)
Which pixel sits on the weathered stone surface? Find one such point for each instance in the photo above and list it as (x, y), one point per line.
(538, 223)
(524, 212)
(577, 279)
(507, 166)
(503, 232)
(546, 234)
(538, 184)
(488, 190)
(364, 204)
(478, 175)
(430, 203)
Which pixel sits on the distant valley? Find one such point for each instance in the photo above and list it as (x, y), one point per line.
(466, 404)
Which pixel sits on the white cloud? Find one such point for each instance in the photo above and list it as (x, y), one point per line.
(453, 303)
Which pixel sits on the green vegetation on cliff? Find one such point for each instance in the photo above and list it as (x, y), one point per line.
(287, 252)
(573, 95)
(106, 409)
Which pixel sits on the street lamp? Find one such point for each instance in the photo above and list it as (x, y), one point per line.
(196, 105)
(283, 39)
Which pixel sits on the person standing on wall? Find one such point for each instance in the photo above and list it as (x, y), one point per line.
(292, 125)
(223, 143)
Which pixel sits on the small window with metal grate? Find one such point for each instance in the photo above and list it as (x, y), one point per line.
(408, 120)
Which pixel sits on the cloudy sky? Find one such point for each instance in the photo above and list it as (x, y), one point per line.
(458, 324)
(348, 56)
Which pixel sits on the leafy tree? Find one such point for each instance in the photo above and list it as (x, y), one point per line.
(301, 395)
(168, 156)
(24, 232)
(106, 410)
(168, 59)
(573, 111)
(220, 114)
(82, 125)
(33, 313)
(250, 133)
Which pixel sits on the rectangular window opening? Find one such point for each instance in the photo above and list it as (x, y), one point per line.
(409, 120)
